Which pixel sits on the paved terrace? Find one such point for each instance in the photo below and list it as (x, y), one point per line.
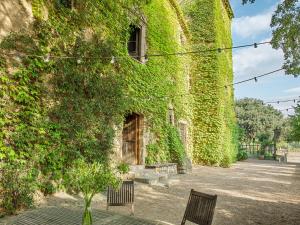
(251, 192)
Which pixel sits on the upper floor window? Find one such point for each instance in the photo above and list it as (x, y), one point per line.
(66, 3)
(171, 116)
(137, 42)
(134, 42)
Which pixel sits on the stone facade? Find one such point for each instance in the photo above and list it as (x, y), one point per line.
(17, 14)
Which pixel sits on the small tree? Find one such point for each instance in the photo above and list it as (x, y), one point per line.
(295, 125)
(90, 179)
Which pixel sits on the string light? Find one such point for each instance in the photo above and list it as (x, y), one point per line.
(286, 109)
(148, 55)
(254, 78)
(279, 101)
(113, 60)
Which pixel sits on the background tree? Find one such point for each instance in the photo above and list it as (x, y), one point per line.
(285, 26)
(258, 121)
(295, 125)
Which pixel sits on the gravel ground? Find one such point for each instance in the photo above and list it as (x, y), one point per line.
(250, 192)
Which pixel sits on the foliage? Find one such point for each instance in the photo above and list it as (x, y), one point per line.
(18, 184)
(265, 141)
(175, 146)
(172, 150)
(295, 125)
(89, 179)
(268, 156)
(153, 154)
(257, 120)
(215, 131)
(242, 155)
(55, 110)
(123, 168)
(286, 33)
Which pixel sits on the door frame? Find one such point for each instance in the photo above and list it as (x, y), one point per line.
(139, 125)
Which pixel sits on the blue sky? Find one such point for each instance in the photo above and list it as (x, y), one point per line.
(252, 24)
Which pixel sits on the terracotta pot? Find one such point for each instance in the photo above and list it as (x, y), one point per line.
(261, 157)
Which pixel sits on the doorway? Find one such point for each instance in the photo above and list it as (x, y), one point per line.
(131, 137)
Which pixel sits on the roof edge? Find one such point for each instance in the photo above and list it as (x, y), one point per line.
(228, 8)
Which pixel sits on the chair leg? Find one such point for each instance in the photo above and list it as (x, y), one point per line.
(132, 209)
(183, 221)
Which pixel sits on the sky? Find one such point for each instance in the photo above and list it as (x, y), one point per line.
(252, 24)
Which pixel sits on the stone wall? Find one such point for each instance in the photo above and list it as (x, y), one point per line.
(14, 16)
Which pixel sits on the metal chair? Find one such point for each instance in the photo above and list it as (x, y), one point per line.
(123, 196)
(200, 208)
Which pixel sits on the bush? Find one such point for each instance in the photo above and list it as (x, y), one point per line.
(175, 146)
(268, 155)
(242, 155)
(47, 187)
(123, 168)
(169, 149)
(157, 153)
(18, 185)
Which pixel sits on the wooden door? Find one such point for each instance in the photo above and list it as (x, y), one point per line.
(131, 139)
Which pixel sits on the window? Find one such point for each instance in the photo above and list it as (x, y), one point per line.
(137, 44)
(183, 133)
(171, 116)
(134, 42)
(66, 3)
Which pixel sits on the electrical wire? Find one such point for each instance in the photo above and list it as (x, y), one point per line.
(145, 56)
(254, 78)
(279, 101)
(287, 109)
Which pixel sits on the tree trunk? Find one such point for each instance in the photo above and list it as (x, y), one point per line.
(87, 214)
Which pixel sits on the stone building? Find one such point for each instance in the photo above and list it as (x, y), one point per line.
(165, 23)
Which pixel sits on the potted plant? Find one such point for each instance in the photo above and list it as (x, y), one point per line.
(89, 179)
(261, 154)
(123, 169)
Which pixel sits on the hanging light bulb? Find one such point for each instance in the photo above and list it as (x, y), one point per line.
(255, 45)
(47, 58)
(146, 58)
(113, 60)
(278, 102)
(255, 78)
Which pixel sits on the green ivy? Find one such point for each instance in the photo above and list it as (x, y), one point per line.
(175, 146)
(54, 110)
(213, 119)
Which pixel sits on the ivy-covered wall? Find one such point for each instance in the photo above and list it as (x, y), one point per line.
(61, 97)
(214, 119)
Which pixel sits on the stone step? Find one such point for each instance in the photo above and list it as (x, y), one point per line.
(136, 167)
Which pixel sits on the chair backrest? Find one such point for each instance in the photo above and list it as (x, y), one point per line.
(122, 196)
(200, 208)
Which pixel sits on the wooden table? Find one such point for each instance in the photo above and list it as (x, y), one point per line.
(65, 216)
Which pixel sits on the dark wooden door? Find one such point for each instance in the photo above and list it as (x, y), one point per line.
(131, 139)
